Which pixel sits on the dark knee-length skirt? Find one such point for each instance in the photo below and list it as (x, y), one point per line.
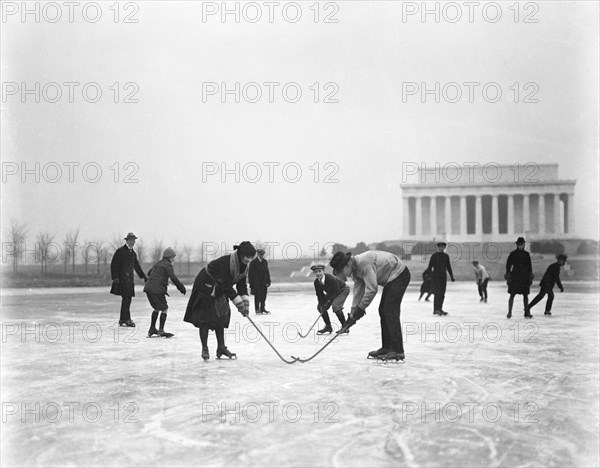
(208, 306)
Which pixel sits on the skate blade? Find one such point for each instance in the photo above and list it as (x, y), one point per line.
(225, 357)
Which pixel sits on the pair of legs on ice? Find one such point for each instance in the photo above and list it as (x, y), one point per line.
(526, 305)
(125, 314)
(392, 346)
(482, 289)
(338, 309)
(159, 303)
(540, 296)
(260, 298)
(221, 348)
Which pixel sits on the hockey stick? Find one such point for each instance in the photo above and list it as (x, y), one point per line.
(313, 326)
(340, 331)
(269, 343)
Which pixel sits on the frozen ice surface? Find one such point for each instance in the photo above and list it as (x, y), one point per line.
(478, 390)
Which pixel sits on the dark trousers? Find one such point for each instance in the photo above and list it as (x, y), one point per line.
(125, 303)
(260, 297)
(482, 288)
(389, 312)
(439, 291)
(541, 295)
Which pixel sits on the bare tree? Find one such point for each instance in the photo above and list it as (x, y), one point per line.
(100, 254)
(17, 235)
(140, 247)
(91, 252)
(70, 243)
(188, 251)
(157, 251)
(44, 239)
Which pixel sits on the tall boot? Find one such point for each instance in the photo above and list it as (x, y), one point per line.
(161, 330)
(342, 319)
(153, 330)
(221, 348)
(327, 328)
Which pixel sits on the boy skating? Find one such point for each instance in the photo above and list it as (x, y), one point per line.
(156, 290)
(550, 278)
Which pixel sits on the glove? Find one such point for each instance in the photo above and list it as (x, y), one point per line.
(183, 290)
(452, 279)
(246, 307)
(268, 284)
(242, 309)
(356, 313)
(145, 279)
(562, 289)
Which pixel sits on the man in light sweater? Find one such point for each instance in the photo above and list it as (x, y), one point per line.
(369, 270)
(482, 279)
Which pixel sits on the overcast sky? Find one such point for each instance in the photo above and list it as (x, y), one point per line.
(171, 136)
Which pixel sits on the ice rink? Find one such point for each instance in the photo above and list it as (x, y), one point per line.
(476, 389)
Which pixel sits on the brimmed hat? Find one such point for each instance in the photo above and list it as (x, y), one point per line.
(520, 241)
(260, 251)
(339, 260)
(131, 235)
(169, 253)
(317, 266)
(442, 243)
(561, 257)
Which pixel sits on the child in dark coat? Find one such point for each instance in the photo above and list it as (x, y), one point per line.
(156, 290)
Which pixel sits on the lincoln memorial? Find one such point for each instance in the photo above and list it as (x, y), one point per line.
(486, 202)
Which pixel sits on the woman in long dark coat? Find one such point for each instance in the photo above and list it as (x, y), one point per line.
(208, 307)
(519, 276)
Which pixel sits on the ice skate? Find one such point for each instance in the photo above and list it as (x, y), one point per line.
(126, 323)
(153, 331)
(266, 312)
(164, 334)
(375, 354)
(547, 313)
(509, 315)
(391, 356)
(225, 352)
(205, 354)
(325, 329)
(437, 312)
(528, 315)
(442, 312)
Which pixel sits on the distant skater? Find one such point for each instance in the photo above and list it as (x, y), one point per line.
(519, 276)
(482, 279)
(550, 278)
(259, 279)
(426, 286)
(156, 291)
(123, 263)
(439, 264)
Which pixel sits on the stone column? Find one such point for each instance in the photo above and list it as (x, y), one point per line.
(418, 214)
(448, 216)
(495, 220)
(463, 215)
(542, 213)
(571, 214)
(526, 220)
(433, 215)
(510, 215)
(406, 217)
(478, 216)
(557, 226)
